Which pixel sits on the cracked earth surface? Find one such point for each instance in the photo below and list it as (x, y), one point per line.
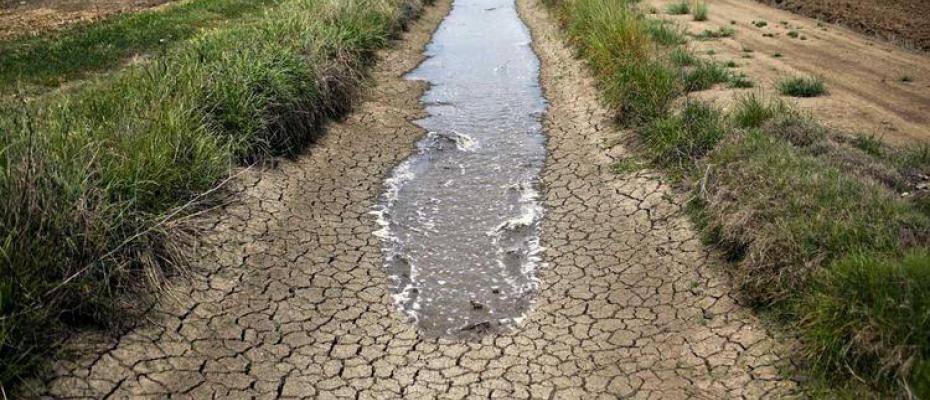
(292, 299)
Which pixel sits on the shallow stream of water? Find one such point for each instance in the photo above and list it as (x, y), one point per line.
(460, 218)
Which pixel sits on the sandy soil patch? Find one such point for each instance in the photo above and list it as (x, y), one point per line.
(874, 87)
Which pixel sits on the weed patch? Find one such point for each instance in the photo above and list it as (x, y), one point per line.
(802, 87)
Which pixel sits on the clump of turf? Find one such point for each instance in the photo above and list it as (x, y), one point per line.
(802, 87)
(700, 11)
(704, 75)
(677, 142)
(721, 32)
(869, 313)
(683, 58)
(679, 8)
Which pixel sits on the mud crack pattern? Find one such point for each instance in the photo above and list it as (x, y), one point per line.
(293, 301)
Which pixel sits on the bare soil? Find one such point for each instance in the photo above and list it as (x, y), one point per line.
(873, 87)
(903, 22)
(19, 17)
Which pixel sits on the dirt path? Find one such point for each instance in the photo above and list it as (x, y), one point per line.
(295, 303)
(34, 16)
(863, 75)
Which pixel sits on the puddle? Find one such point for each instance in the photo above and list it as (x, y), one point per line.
(460, 218)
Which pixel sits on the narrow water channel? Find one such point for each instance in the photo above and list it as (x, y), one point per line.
(460, 218)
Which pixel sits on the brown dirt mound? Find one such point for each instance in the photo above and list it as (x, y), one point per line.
(902, 22)
(34, 16)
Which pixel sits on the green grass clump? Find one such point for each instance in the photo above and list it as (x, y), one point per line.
(721, 32)
(740, 81)
(677, 142)
(93, 179)
(870, 144)
(666, 32)
(51, 59)
(700, 11)
(760, 24)
(626, 166)
(679, 8)
(802, 87)
(869, 313)
(683, 58)
(704, 75)
(752, 110)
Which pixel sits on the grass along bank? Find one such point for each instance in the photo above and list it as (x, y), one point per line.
(92, 178)
(827, 232)
(52, 58)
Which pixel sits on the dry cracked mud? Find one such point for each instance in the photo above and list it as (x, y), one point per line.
(292, 299)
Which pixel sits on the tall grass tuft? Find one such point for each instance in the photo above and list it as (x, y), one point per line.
(619, 44)
(700, 10)
(679, 8)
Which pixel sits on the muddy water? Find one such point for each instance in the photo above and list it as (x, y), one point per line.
(460, 218)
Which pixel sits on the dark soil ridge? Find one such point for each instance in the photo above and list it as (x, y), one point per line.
(902, 22)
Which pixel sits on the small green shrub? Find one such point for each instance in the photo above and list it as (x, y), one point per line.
(802, 87)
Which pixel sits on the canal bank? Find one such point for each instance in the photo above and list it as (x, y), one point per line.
(292, 298)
